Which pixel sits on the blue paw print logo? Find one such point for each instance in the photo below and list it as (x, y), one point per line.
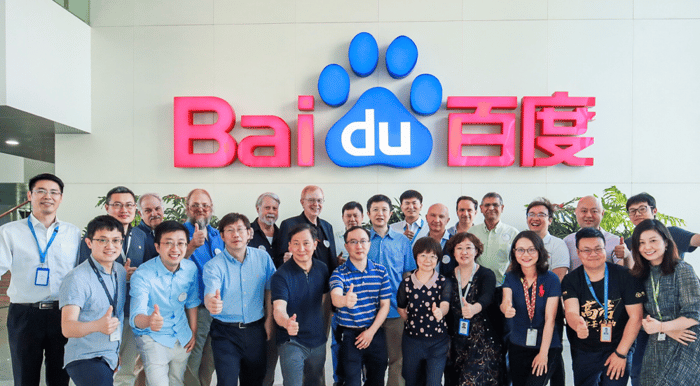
(378, 130)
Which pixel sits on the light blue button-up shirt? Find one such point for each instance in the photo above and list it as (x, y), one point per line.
(242, 285)
(395, 254)
(152, 284)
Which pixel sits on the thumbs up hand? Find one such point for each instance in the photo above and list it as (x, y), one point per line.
(437, 312)
(292, 326)
(214, 304)
(582, 328)
(155, 322)
(350, 297)
(108, 324)
(129, 269)
(621, 250)
(199, 236)
(509, 311)
(469, 310)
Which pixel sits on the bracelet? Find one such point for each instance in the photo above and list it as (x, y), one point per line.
(620, 355)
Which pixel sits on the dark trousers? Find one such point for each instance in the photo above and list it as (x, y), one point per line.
(32, 334)
(424, 354)
(374, 358)
(90, 372)
(590, 370)
(521, 365)
(640, 346)
(239, 353)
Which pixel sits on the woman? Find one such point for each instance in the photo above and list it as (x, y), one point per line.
(422, 300)
(476, 352)
(672, 355)
(530, 301)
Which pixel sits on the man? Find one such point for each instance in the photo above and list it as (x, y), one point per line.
(392, 250)
(300, 300)
(150, 207)
(33, 319)
(361, 291)
(92, 307)
(205, 243)
(437, 217)
(603, 306)
(164, 300)
(466, 213)
(266, 234)
(237, 294)
(413, 226)
(540, 214)
(589, 212)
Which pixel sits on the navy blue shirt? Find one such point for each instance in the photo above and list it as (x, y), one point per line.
(149, 246)
(680, 236)
(303, 293)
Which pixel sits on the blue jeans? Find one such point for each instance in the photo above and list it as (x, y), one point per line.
(302, 365)
(373, 357)
(239, 353)
(589, 368)
(90, 372)
(428, 354)
(638, 356)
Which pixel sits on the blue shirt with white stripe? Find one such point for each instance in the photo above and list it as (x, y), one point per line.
(371, 286)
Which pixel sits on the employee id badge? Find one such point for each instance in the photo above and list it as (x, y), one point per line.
(531, 339)
(605, 332)
(464, 327)
(661, 336)
(42, 277)
(116, 336)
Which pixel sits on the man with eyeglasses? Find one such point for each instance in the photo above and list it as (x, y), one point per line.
(392, 250)
(164, 300)
(266, 234)
(466, 214)
(361, 292)
(205, 243)
(237, 294)
(150, 207)
(603, 307)
(540, 214)
(412, 226)
(589, 213)
(39, 251)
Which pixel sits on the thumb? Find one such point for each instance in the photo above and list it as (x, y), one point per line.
(196, 227)
(156, 310)
(622, 240)
(218, 294)
(435, 306)
(352, 286)
(293, 318)
(109, 312)
(128, 263)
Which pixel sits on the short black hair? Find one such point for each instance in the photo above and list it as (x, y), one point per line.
(103, 222)
(117, 190)
(411, 194)
(541, 202)
(45, 177)
(466, 198)
(589, 233)
(169, 226)
(303, 227)
(492, 195)
(233, 218)
(427, 244)
(641, 198)
(542, 264)
(350, 206)
(352, 228)
(378, 198)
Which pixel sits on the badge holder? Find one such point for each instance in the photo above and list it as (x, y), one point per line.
(464, 327)
(531, 339)
(42, 277)
(116, 336)
(661, 337)
(605, 332)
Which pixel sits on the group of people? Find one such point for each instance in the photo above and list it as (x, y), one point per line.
(408, 303)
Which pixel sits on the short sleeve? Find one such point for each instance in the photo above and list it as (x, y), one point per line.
(336, 280)
(568, 289)
(682, 239)
(632, 289)
(212, 277)
(385, 291)
(401, 299)
(269, 270)
(278, 287)
(71, 292)
(446, 294)
(409, 263)
(552, 285)
(559, 255)
(689, 288)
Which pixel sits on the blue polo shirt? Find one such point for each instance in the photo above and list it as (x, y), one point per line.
(212, 247)
(371, 286)
(242, 285)
(395, 254)
(303, 293)
(153, 284)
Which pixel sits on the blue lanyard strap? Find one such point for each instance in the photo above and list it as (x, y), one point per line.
(42, 254)
(605, 291)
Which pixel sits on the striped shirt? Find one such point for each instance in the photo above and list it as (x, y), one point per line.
(371, 286)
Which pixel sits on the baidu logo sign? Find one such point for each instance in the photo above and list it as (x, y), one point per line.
(378, 129)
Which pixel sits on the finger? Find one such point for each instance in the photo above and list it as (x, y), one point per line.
(622, 240)
(217, 296)
(196, 227)
(293, 318)
(128, 263)
(109, 311)
(156, 310)
(434, 306)
(352, 286)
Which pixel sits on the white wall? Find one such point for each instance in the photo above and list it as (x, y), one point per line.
(638, 58)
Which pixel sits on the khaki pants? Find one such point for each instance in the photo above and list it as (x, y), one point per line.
(394, 333)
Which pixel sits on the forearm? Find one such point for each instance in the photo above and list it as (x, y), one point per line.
(338, 299)
(76, 329)
(547, 334)
(192, 319)
(678, 324)
(402, 312)
(629, 335)
(142, 321)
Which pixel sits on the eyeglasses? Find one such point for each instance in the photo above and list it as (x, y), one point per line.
(470, 248)
(314, 200)
(521, 251)
(44, 192)
(105, 242)
(202, 206)
(358, 242)
(171, 244)
(119, 205)
(429, 257)
(240, 231)
(639, 211)
(588, 252)
(538, 215)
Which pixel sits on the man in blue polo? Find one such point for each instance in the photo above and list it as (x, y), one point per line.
(361, 291)
(392, 250)
(237, 294)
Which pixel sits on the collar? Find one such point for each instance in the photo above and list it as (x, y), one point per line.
(351, 266)
(36, 223)
(145, 228)
(418, 222)
(430, 284)
(297, 267)
(306, 220)
(256, 227)
(160, 267)
(232, 259)
(100, 267)
(392, 234)
(547, 238)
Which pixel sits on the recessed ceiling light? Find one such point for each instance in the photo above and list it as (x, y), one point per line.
(12, 142)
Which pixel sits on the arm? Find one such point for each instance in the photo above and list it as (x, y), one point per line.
(192, 321)
(507, 303)
(616, 365)
(539, 364)
(695, 240)
(326, 308)
(282, 319)
(574, 319)
(561, 272)
(402, 313)
(154, 321)
(652, 326)
(72, 328)
(365, 338)
(269, 323)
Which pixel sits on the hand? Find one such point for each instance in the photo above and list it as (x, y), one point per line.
(582, 328)
(108, 324)
(190, 345)
(214, 304)
(364, 339)
(129, 269)
(616, 366)
(408, 234)
(510, 313)
(287, 256)
(155, 321)
(437, 312)
(468, 310)
(651, 325)
(292, 326)
(350, 297)
(199, 237)
(341, 259)
(539, 364)
(620, 250)
(683, 336)
(268, 328)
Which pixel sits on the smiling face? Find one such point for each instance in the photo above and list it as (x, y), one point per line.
(426, 261)
(437, 218)
(199, 208)
(591, 252)
(268, 211)
(465, 253)
(640, 212)
(45, 197)
(525, 253)
(106, 245)
(151, 211)
(172, 248)
(652, 246)
(379, 213)
(411, 208)
(538, 219)
(352, 217)
(589, 212)
(312, 202)
(491, 208)
(302, 247)
(357, 245)
(466, 211)
(235, 237)
(122, 206)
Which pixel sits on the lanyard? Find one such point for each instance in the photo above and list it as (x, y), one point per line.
(655, 288)
(605, 292)
(530, 300)
(459, 283)
(42, 254)
(418, 230)
(112, 301)
(128, 245)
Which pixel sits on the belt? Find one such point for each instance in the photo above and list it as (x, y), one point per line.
(353, 329)
(46, 305)
(240, 325)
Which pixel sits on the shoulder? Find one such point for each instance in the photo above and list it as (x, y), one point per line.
(550, 277)
(186, 265)
(685, 269)
(320, 267)
(616, 269)
(70, 228)
(509, 229)
(137, 233)
(484, 272)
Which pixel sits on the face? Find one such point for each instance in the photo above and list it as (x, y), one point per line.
(589, 213)
(45, 197)
(426, 261)
(411, 208)
(538, 219)
(491, 208)
(591, 252)
(122, 207)
(640, 212)
(151, 211)
(312, 203)
(465, 253)
(352, 217)
(525, 253)
(466, 211)
(437, 218)
(235, 236)
(268, 211)
(302, 247)
(652, 246)
(379, 214)
(357, 244)
(172, 248)
(106, 245)
(200, 208)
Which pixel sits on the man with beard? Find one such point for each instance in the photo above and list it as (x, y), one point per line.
(265, 231)
(150, 207)
(205, 243)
